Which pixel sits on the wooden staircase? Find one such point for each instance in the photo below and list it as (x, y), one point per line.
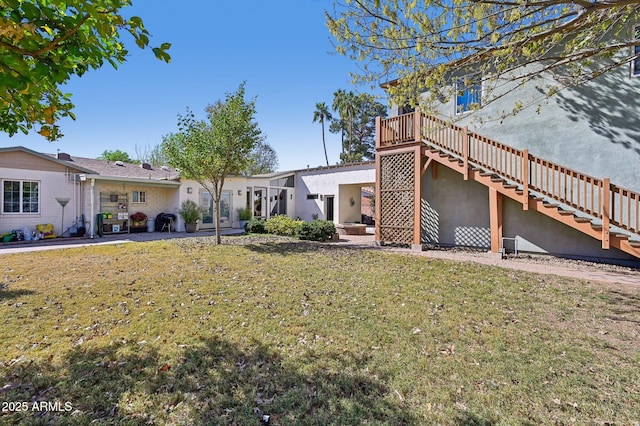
(596, 207)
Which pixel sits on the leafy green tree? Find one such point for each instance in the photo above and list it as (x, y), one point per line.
(151, 154)
(364, 128)
(346, 104)
(209, 151)
(116, 155)
(263, 159)
(420, 46)
(359, 131)
(43, 43)
(322, 114)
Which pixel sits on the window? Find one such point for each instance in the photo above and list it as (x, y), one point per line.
(20, 196)
(286, 182)
(468, 93)
(312, 196)
(635, 64)
(139, 197)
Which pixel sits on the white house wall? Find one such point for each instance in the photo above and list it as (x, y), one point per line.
(350, 204)
(329, 181)
(237, 186)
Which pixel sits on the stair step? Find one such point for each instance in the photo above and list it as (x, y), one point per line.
(497, 179)
(519, 191)
(581, 219)
(621, 236)
(550, 205)
(565, 212)
(509, 186)
(486, 174)
(634, 243)
(596, 227)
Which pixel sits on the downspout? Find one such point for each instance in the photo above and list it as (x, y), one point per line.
(92, 222)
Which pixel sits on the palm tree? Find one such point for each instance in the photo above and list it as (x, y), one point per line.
(346, 103)
(321, 114)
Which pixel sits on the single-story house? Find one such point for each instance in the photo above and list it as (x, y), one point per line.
(76, 194)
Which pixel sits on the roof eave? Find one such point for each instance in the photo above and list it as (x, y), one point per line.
(139, 181)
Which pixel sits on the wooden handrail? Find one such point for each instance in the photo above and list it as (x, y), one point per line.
(619, 206)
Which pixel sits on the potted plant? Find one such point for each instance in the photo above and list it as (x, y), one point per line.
(244, 215)
(138, 219)
(190, 213)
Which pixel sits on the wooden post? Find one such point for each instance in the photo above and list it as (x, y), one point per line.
(378, 196)
(495, 219)
(525, 179)
(606, 211)
(465, 152)
(378, 131)
(417, 125)
(417, 199)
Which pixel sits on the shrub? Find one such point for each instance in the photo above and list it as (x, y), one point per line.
(244, 214)
(190, 211)
(283, 225)
(256, 226)
(317, 230)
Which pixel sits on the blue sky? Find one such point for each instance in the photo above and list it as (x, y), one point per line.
(281, 48)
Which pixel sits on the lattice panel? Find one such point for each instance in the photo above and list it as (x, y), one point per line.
(396, 171)
(396, 208)
(397, 188)
(395, 235)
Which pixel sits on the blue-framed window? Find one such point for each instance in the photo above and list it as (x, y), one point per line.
(468, 93)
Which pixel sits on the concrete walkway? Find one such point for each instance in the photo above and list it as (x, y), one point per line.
(60, 243)
(539, 264)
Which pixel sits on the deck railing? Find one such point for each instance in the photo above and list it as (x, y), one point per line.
(595, 197)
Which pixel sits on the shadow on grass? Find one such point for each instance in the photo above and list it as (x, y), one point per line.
(12, 294)
(213, 383)
(297, 247)
(626, 306)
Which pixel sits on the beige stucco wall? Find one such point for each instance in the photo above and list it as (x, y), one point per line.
(349, 213)
(52, 184)
(159, 199)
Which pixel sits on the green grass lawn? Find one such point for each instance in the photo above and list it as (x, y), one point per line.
(186, 332)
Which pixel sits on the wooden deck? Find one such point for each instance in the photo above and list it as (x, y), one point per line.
(412, 142)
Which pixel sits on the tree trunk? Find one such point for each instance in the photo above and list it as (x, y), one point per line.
(218, 237)
(217, 187)
(324, 144)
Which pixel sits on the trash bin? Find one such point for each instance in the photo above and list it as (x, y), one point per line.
(151, 224)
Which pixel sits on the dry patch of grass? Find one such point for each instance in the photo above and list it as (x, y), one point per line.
(185, 332)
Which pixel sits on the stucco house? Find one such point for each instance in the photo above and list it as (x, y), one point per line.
(561, 177)
(102, 196)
